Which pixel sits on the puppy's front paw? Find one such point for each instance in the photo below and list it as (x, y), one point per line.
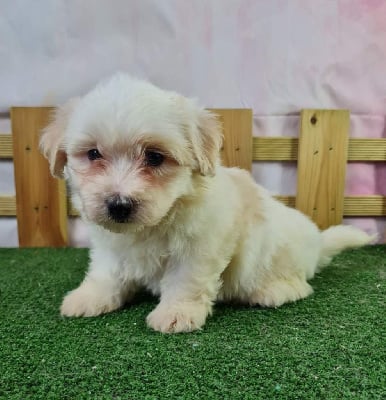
(178, 318)
(88, 301)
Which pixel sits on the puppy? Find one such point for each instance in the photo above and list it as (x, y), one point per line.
(144, 171)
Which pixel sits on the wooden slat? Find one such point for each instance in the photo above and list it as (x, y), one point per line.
(7, 206)
(72, 211)
(286, 149)
(354, 206)
(367, 150)
(275, 149)
(369, 206)
(237, 130)
(322, 160)
(40, 199)
(6, 146)
(289, 201)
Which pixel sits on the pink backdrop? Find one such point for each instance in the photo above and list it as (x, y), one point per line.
(276, 57)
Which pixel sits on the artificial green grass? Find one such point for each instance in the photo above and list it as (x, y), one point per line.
(329, 346)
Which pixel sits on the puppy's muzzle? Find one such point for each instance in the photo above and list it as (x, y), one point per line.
(120, 209)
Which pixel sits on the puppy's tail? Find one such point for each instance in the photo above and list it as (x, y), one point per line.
(340, 237)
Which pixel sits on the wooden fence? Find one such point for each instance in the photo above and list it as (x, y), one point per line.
(321, 151)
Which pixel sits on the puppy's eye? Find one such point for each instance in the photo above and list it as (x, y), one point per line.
(153, 158)
(94, 154)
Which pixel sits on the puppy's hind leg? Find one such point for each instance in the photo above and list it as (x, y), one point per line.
(280, 291)
(285, 280)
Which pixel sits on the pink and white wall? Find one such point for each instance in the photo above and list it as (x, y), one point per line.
(274, 56)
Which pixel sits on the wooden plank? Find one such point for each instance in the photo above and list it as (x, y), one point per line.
(365, 206)
(6, 146)
(286, 149)
(72, 211)
(322, 160)
(237, 130)
(7, 206)
(367, 150)
(40, 198)
(289, 201)
(275, 149)
(354, 206)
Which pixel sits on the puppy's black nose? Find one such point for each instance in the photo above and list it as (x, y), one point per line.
(119, 208)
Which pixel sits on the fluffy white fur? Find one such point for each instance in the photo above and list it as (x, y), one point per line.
(200, 232)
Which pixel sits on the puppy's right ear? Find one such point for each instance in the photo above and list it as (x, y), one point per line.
(52, 139)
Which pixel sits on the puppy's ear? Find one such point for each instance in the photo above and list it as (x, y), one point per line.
(206, 142)
(51, 141)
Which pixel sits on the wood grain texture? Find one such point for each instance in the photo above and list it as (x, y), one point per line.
(40, 198)
(289, 201)
(367, 149)
(286, 149)
(322, 160)
(275, 149)
(6, 146)
(237, 130)
(354, 206)
(7, 206)
(365, 206)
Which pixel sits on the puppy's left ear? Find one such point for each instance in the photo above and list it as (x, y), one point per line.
(206, 142)
(52, 139)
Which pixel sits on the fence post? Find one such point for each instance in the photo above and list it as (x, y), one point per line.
(322, 160)
(40, 199)
(237, 131)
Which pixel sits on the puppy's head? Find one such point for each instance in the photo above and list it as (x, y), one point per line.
(130, 151)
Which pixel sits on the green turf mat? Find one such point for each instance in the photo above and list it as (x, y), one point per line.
(329, 346)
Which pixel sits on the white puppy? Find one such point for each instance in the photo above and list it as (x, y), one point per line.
(143, 167)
